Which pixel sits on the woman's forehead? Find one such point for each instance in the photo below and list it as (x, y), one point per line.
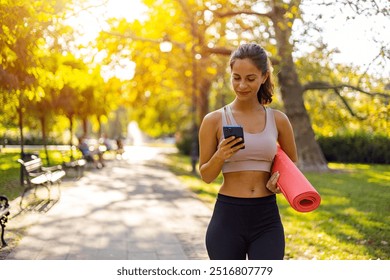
(245, 66)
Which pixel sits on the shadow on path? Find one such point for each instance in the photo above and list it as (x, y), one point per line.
(131, 209)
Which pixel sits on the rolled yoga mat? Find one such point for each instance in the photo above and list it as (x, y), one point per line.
(298, 191)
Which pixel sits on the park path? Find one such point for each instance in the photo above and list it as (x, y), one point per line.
(133, 208)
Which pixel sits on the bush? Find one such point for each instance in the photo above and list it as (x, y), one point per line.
(356, 148)
(185, 142)
(30, 140)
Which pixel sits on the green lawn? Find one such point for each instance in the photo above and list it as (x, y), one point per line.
(352, 222)
(9, 179)
(10, 169)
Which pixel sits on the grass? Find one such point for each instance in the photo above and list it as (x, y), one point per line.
(352, 222)
(10, 169)
(10, 172)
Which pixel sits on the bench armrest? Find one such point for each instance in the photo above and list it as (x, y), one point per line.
(52, 168)
(36, 174)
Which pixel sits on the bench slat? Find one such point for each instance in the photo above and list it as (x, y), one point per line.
(56, 176)
(39, 180)
(33, 165)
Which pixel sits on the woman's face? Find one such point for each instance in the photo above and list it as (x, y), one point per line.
(246, 79)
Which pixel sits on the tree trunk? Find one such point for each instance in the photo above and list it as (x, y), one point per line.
(70, 117)
(309, 152)
(43, 127)
(203, 99)
(20, 114)
(85, 127)
(100, 131)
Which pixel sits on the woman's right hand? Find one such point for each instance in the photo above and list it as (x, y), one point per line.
(226, 149)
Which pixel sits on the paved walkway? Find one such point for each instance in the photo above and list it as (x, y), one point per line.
(131, 209)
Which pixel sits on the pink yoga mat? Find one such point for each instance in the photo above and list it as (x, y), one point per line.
(298, 191)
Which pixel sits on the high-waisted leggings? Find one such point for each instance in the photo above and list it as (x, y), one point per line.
(245, 228)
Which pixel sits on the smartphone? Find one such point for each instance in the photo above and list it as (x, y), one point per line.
(234, 130)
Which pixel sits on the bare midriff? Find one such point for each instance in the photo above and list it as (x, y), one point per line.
(245, 184)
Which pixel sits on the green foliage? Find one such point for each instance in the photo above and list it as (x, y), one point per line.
(31, 140)
(46, 81)
(160, 91)
(184, 141)
(356, 148)
(346, 110)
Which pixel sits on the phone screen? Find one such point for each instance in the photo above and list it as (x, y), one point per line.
(233, 130)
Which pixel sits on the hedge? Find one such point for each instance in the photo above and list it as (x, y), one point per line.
(357, 148)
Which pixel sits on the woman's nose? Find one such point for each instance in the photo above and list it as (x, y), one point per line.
(242, 84)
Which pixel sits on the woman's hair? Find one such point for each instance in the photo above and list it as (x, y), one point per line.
(260, 59)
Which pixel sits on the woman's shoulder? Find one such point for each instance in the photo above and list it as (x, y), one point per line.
(281, 119)
(279, 115)
(214, 116)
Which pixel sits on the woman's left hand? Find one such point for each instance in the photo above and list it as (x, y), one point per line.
(271, 184)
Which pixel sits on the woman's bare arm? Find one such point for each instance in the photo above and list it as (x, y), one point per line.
(286, 138)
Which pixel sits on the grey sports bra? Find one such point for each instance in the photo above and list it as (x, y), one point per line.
(260, 148)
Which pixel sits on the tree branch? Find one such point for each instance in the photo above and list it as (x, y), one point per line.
(236, 13)
(350, 110)
(131, 36)
(142, 39)
(337, 88)
(327, 86)
(219, 50)
(86, 8)
(8, 80)
(382, 50)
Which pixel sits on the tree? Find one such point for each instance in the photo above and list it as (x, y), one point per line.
(166, 87)
(276, 19)
(158, 94)
(37, 66)
(335, 107)
(23, 27)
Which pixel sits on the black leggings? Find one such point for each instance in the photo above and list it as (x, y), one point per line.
(243, 228)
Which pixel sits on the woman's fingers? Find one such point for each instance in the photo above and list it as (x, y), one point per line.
(231, 141)
(271, 184)
(227, 146)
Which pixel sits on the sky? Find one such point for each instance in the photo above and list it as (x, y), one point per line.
(353, 39)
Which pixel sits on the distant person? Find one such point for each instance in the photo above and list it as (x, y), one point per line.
(246, 223)
(119, 148)
(90, 154)
(105, 142)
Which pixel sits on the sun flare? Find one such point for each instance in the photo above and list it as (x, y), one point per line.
(92, 17)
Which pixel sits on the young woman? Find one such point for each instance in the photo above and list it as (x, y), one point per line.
(246, 223)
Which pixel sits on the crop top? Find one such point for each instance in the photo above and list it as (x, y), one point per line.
(260, 148)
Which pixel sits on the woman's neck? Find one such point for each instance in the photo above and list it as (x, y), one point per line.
(246, 106)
